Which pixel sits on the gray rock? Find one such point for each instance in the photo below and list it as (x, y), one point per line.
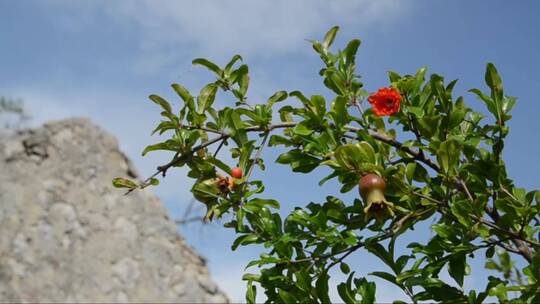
(66, 235)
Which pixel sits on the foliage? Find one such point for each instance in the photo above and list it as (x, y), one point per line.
(449, 172)
(12, 111)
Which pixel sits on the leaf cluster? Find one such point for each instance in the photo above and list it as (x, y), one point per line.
(449, 171)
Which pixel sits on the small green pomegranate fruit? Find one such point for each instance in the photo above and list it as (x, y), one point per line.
(372, 188)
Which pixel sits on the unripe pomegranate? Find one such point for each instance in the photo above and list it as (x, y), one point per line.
(372, 188)
(237, 173)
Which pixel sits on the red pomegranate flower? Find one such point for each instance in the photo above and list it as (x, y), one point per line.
(385, 102)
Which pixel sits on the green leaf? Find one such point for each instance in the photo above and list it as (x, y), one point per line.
(344, 268)
(448, 156)
(120, 182)
(355, 156)
(229, 65)
(251, 293)
(276, 140)
(299, 161)
(168, 145)
(182, 92)
(494, 82)
(329, 38)
(456, 268)
(300, 97)
(319, 105)
(508, 103)
(416, 172)
(264, 202)
(339, 111)
(285, 113)
(303, 280)
(416, 111)
(393, 76)
(329, 177)
(462, 212)
(164, 126)
(245, 239)
(206, 97)
(440, 291)
(458, 114)
(249, 113)
(490, 252)
(302, 129)
(442, 230)
(218, 163)
(287, 297)
(351, 49)
(409, 171)
(236, 120)
(386, 276)
(335, 83)
(277, 97)
(367, 290)
(499, 291)
(162, 102)
(208, 64)
(238, 75)
(206, 191)
(321, 287)
(345, 290)
(429, 126)
(490, 103)
(318, 47)
(251, 277)
(378, 250)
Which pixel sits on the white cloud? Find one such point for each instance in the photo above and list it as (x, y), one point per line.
(251, 26)
(220, 28)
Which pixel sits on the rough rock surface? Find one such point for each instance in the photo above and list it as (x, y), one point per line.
(67, 236)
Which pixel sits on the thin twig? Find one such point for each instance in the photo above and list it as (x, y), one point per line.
(390, 232)
(519, 241)
(418, 155)
(515, 236)
(258, 155)
(163, 169)
(466, 189)
(343, 257)
(219, 148)
(188, 209)
(190, 220)
(358, 106)
(209, 130)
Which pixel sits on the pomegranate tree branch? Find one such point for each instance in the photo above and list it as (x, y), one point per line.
(418, 155)
(517, 239)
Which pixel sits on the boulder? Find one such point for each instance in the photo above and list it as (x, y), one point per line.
(66, 235)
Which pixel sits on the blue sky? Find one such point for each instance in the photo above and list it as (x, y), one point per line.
(103, 58)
